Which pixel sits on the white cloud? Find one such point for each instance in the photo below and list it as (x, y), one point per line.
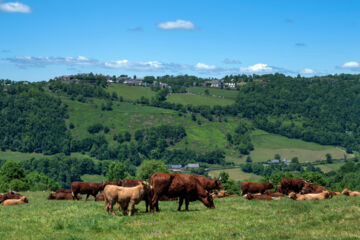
(258, 68)
(355, 66)
(178, 24)
(27, 61)
(14, 7)
(307, 71)
(202, 66)
(117, 64)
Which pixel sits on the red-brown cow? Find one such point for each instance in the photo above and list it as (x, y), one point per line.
(88, 188)
(117, 183)
(274, 194)
(250, 196)
(100, 197)
(62, 196)
(311, 188)
(255, 187)
(291, 185)
(184, 186)
(10, 195)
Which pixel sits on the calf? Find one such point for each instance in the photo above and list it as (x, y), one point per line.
(255, 187)
(88, 188)
(124, 197)
(347, 192)
(9, 202)
(310, 196)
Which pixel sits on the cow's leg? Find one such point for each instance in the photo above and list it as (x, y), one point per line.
(181, 199)
(118, 206)
(146, 204)
(187, 204)
(87, 196)
(131, 207)
(124, 207)
(154, 202)
(106, 206)
(112, 208)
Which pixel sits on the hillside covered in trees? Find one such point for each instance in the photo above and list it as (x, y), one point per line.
(100, 123)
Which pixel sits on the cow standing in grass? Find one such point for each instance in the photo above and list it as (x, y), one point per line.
(184, 186)
(88, 188)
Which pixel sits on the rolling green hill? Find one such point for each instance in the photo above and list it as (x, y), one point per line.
(215, 92)
(130, 92)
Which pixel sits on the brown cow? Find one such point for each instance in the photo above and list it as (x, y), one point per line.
(62, 196)
(221, 194)
(88, 188)
(347, 192)
(250, 196)
(310, 196)
(116, 183)
(184, 186)
(255, 187)
(10, 195)
(312, 188)
(124, 196)
(274, 194)
(63, 190)
(9, 202)
(288, 185)
(100, 197)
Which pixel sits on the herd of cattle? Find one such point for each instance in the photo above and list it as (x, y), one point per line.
(177, 186)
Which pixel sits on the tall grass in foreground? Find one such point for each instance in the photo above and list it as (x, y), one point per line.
(233, 218)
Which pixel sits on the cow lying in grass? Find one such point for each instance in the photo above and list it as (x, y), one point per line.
(10, 195)
(9, 202)
(347, 192)
(100, 197)
(221, 194)
(274, 194)
(124, 197)
(62, 196)
(310, 196)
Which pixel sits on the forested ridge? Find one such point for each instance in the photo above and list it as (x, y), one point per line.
(323, 110)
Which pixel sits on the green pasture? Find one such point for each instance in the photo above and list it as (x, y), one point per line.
(237, 174)
(197, 100)
(215, 92)
(130, 92)
(267, 145)
(233, 218)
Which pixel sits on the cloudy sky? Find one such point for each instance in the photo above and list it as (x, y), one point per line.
(41, 39)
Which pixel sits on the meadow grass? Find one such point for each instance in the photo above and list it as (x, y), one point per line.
(18, 156)
(233, 218)
(197, 100)
(330, 167)
(92, 178)
(237, 174)
(216, 92)
(267, 145)
(130, 92)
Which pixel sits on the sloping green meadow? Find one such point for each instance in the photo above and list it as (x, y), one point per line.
(233, 218)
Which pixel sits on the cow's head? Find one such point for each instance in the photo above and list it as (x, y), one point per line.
(270, 185)
(218, 184)
(208, 201)
(292, 195)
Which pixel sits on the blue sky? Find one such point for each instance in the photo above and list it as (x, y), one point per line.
(41, 39)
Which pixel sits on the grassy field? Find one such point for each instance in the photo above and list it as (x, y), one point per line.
(198, 100)
(237, 174)
(233, 218)
(330, 167)
(18, 156)
(267, 145)
(92, 178)
(216, 92)
(130, 92)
